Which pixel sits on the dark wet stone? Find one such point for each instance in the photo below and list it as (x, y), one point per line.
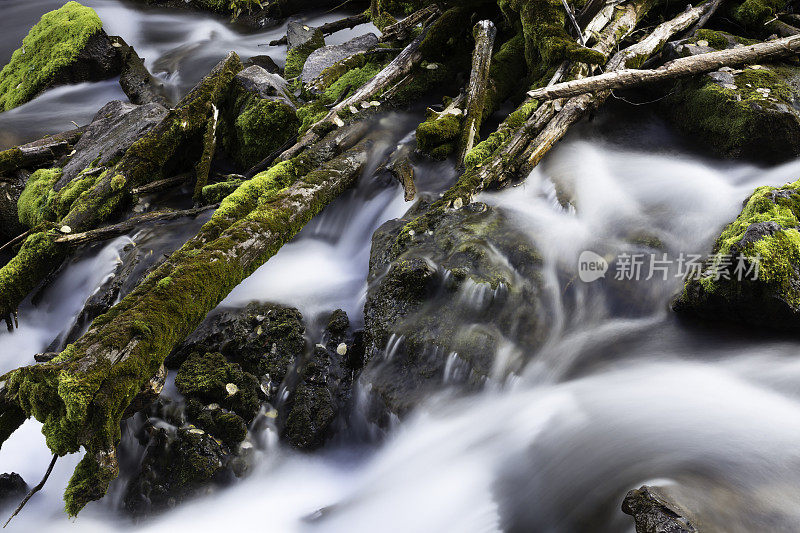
(258, 81)
(113, 130)
(654, 513)
(328, 56)
(12, 489)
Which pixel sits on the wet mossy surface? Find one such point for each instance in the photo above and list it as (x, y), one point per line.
(754, 276)
(438, 305)
(54, 43)
(747, 113)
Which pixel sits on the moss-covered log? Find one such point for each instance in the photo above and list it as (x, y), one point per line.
(81, 394)
(172, 145)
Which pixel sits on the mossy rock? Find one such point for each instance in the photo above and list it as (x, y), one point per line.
(441, 303)
(67, 45)
(747, 113)
(209, 377)
(303, 40)
(265, 339)
(754, 274)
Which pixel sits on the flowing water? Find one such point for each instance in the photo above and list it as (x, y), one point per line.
(621, 394)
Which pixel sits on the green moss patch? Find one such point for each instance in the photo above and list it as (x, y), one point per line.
(53, 43)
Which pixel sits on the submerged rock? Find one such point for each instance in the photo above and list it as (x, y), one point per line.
(754, 274)
(325, 385)
(66, 46)
(442, 303)
(654, 513)
(753, 112)
(12, 489)
(327, 56)
(112, 131)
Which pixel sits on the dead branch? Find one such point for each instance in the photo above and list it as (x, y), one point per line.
(332, 27)
(115, 230)
(485, 33)
(682, 67)
(34, 490)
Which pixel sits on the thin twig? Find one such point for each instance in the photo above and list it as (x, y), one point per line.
(34, 490)
(575, 24)
(15, 240)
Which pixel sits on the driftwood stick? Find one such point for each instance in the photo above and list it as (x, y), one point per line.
(15, 240)
(574, 22)
(332, 27)
(115, 230)
(33, 491)
(682, 67)
(161, 185)
(485, 33)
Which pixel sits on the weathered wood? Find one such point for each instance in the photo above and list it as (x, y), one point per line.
(161, 185)
(332, 27)
(203, 168)
(40, 152)
(401, 30)
(115, 230)
(386, 78)
(682, 67)
(33, 491)
(575, 108)
(485, 33)
(137, 83)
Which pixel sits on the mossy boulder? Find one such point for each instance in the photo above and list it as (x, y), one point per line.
(263, 117)
(325, 385)
(327, 56)
(67, 45)
(302, 41)
(742, 113)
(266, 340)
(754, 275)
(442, 300)
(438, 135)
(178, 464)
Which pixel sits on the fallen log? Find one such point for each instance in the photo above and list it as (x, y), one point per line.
(332, 27)
(682, 67)
(175, 139)
(137, 83)
(485, 33)
(40, 152)
(401, 30)
(82, 394)
(575, 108)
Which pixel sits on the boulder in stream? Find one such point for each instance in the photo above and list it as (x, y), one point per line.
(302, 41)
(327, 56)
(68, 45)
(443, 302)
(654, 512)
(752, 112)
(753, 275)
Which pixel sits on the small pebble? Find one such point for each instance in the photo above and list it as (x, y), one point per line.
(231, 388)
(702, 42)
(353, 109)
(341, 349)
(458, 203)
(65, 229)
